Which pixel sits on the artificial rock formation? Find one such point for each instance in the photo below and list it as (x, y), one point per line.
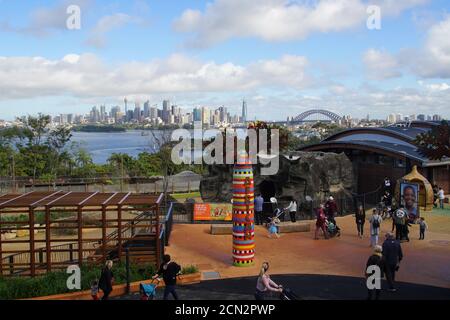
(301, 174)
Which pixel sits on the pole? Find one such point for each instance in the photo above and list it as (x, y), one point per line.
(127, 264)
(121, 173)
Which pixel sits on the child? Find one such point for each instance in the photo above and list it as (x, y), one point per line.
(94, 290)
(423, 227)
(273, 227)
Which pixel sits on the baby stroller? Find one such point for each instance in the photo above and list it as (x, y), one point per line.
(148, 291)
(332, 229)
(288, 294)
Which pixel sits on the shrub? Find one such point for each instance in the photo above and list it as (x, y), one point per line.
(189, 269)
(55, 282)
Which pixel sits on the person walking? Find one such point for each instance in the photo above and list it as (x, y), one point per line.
(422, 226)
(393, 255)
(435, 195)
(360, 218)
(106, 280)
(264, 284)
(320, 222)
(259, 202)
(376, 259)
(375, 224)
(441, 198)
(399, 221)
(331, 209)
(292, 209)
(169, 271)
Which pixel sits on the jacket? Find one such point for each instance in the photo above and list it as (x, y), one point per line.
(169, 273)
(392, 252)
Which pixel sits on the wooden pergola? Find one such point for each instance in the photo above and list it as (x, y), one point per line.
(120, 217)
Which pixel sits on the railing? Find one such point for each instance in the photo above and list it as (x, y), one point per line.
(61, 256)
(101, 184)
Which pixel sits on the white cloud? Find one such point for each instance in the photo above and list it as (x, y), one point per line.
(278, 20)
(381, 65)
(432, 60)
(87, 76)
(105, 25)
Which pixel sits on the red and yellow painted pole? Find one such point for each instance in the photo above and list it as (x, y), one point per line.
(243, 213)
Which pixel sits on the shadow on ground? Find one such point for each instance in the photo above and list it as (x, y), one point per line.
(307, 287)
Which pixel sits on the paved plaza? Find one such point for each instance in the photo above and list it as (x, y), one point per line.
(425, 261)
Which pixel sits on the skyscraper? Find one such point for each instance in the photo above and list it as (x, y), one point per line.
(197, 114)
(147, 109)
(166, 111)
(244, 111)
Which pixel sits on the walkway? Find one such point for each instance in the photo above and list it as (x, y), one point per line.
(307, 287)
(426, 262)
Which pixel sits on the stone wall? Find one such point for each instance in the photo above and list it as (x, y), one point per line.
(301, 174)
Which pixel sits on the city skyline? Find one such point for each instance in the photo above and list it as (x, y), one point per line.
(314, 55)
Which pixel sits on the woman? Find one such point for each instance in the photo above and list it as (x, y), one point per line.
(292, 209)
(106, 280)
(264, 284)
(360, 218)
(320, 223)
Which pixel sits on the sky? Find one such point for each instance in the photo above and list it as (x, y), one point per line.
(283, 57)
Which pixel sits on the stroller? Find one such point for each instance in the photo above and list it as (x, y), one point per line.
(288, 294)
(333, 229)
(148, 291)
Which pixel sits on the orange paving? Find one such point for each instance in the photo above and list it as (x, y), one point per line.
(425, 262)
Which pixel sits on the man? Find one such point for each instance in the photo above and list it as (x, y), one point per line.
(169, 271)
(392, 255)
(441, 198)
(387, 184)
(259, 201)
(399, 220)
(331, 209)
(375, 225)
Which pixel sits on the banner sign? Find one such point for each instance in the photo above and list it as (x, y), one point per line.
(212, 211)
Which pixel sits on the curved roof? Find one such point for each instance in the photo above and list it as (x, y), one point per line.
(396, 140)
(406, 134)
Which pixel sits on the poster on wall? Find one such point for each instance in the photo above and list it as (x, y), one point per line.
(212, 211)
(409, 198)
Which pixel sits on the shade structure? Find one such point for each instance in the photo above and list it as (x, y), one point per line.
(243, 213)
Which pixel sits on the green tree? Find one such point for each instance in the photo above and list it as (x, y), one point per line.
(435, 144)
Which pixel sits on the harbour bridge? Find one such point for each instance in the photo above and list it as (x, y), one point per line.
(313, 115)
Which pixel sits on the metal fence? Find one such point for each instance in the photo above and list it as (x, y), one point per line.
(108, 184)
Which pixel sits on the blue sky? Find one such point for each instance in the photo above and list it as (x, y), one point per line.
(283, 57)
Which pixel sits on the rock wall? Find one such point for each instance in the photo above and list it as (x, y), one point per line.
(301, 174)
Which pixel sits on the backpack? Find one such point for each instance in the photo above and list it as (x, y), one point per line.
(400, 216)
(376, 223)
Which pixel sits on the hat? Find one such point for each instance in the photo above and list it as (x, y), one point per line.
(331, 198)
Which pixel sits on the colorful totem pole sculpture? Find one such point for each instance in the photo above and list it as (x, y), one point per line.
(243, 213)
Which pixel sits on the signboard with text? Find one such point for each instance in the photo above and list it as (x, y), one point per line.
(212, 211)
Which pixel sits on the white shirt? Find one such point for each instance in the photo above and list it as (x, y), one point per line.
(292, 207)
(441, 194)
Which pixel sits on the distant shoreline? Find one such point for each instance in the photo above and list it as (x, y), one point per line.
(93, 128)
